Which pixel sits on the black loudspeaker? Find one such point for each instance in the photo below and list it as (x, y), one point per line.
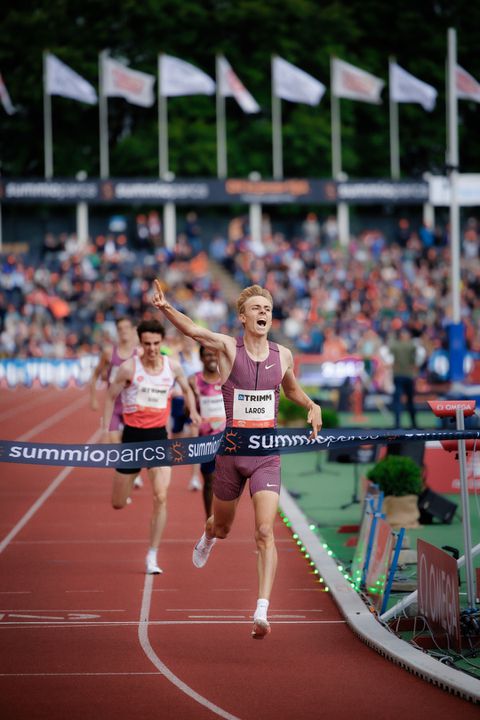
(432, 505)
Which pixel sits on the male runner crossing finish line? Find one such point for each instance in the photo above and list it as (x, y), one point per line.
(252, 369)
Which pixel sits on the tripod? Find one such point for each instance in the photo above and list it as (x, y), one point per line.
(355, 500)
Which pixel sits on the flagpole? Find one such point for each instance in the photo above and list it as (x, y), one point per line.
(276, 129)
(169, 210)
(47, 123)
(163, 160)
(335, 122)
(103, 119)
(221, 124)
(343, 217)
(456, 329)
(394, 127)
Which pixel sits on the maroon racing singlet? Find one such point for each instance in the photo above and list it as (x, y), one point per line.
(252, 390)
(250, 394)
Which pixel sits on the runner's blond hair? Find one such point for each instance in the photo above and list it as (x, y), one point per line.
(249, 292)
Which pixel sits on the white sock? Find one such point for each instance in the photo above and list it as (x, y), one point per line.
(262, 607)
(152, 554)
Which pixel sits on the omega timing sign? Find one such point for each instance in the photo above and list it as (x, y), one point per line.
(438, 592)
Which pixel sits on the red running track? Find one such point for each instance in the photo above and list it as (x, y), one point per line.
(85, 634)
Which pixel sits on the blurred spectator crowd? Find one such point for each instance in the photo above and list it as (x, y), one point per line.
(329, 299)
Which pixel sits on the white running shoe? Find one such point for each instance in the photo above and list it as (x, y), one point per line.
(261, 628)
(138, 482)
(152, 567)
(195, 483)
(202, 550)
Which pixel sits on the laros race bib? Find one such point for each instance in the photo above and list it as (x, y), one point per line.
(253, 408)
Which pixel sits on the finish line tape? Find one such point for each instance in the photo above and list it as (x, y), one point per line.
(233, 441)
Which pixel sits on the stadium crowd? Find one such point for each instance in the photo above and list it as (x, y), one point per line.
(328, 299)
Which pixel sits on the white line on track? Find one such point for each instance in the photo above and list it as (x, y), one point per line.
(53, 419)
(43, 497)
(163, 669)
(75, 674)
(6, 625)
(39, 400)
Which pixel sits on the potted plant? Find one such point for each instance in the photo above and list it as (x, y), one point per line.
(400, 480)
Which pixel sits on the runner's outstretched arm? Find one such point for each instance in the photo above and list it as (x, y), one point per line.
(182, 322)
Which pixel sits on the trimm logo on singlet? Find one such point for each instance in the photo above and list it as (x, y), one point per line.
(253, 408)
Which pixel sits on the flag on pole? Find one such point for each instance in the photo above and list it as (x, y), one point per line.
(120, 81)
(353, 83)
(405, 88)
(230, 85)
(5, 98)
(178, 78)
(467, 87)
(62, 80)
(291, 83)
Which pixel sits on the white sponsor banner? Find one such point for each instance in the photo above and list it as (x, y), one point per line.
(230, 85)
(405, 88)
(134, 86)
(62, 80)
(468, 190)
(178, 78)
(353, 83)
(293, 84)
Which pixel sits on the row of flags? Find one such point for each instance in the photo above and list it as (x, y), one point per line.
(179, 78)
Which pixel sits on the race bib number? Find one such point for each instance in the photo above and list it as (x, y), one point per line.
(212, 409)
(253, 408)
(152, 396)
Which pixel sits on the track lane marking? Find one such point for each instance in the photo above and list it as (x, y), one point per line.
(13, 411)
(53, 419)
(134, 623)
(161, 667)
(43, 497)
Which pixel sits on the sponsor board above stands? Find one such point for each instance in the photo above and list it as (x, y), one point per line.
(204, 191)
(37, 372)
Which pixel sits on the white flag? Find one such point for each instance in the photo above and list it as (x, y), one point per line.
(62, 80)
(231, 86)
(291, 83)
(467, 87)
(178, 77)
(352, 83)
(405, 88)
(5, 99)
(120, 81)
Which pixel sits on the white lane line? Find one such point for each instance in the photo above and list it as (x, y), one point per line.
(75, 674)
(12, 412)
(53, 419)
(216, 617)
(5, 624)
(244, 610)
(43, 497)
(155, 660)
(16, 592)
